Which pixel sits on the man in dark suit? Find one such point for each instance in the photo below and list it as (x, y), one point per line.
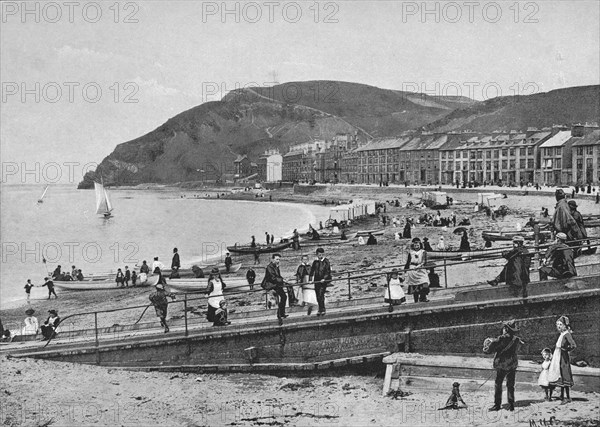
(320, 273)
(274, 282)
(506, 361)
(175, 265)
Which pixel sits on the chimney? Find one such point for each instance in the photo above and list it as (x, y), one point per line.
(577, 130)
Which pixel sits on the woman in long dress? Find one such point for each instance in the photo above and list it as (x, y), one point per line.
(307, 295)
(215, 294)
(559, 373)
(417, 280)
(30, 324)
(394, 294)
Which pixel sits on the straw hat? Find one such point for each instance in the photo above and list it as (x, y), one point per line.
(29, 311)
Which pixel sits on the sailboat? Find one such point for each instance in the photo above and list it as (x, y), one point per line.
(103, 205)
(41, 199)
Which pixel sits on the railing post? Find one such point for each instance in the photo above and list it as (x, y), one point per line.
(349, 288)
(266, 300)
(97, 341)
(445, 274)
(185, 313)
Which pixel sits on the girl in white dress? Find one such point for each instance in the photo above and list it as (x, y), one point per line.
(31, 324)
(394, 294)
(543, 379)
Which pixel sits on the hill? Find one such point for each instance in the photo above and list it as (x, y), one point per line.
(561, 106)
(201, 143)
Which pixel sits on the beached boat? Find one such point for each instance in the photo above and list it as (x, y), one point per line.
(494, 236)
(365, 233)
(329, 238)
(478, 253)
(261, 249)
(101, 285)
(234, 268)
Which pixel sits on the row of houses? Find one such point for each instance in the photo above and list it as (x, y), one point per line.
(559, 155)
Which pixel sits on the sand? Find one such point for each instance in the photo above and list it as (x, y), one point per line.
(51, 393)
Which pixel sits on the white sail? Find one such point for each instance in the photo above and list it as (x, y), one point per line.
(108, 203)
(102, 204)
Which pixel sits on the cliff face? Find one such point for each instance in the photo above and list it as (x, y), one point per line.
(202, 143)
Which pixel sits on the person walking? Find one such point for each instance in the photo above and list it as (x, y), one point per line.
(506, 361)
(228, 262)
(251, 277)
(161, 304)
(175, 265)
(559, 372)
(515, 272)
(320, 273)
(563, 221)
(50, 285)
(127, 277)
(120, 279)
(274, 282)
(28, 287)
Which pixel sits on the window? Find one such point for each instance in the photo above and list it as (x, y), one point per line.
(504, 164)
(512, 165)
(488, 154)
(529, 163)
(443, 165)
(443, 154)
(512, 151)
(580, 151)
(589, 150)
(450, 155)
(522, 151)
(479, 154)
(496, 165)
(488, 165)
(496, 152)
(579, 164)
(530, 151)
(504, 152)
(457, 166)
(558, 164)
(557, 151)
(522, 163)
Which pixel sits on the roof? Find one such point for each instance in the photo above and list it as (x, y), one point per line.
(423, 142)
(240, 158)
(557, 140)
(383, 144)
(539, 135)
(592, 138)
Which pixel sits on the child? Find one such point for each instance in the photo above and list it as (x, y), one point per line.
(220, 318)
(133, 277)
(120, 278)
(543, 380)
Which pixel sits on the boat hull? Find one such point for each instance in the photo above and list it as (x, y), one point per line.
(463, 254)
(100, 285)
(261, 249)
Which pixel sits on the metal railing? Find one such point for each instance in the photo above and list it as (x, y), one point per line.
(345, 276)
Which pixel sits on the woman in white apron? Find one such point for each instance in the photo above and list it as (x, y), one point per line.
(215, 294)
(306, 293)
(417, 280)
(394, 294)
(30, 324)
(559, 373)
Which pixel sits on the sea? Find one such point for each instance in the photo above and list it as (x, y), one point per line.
(65, 230)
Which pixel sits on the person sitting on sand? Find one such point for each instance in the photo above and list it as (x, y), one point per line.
(558, 260)
(30, 323)
(371, 240)
(50, 326)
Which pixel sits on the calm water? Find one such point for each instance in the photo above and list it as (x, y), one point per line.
(65, 230)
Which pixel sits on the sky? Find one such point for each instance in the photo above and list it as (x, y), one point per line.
(79, 78)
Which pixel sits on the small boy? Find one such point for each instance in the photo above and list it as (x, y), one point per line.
(127, 277)
(120, 278)
(28, 287)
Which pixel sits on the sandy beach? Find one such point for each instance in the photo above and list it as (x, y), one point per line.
(89, 395)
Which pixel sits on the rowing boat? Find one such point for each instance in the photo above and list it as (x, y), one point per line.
(102, 285)
(478, 253)
(365, 233)
(494, 236)
(261, 249)
(234, 268)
